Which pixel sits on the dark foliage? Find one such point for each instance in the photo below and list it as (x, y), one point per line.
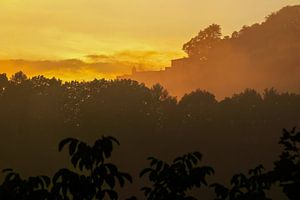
(172, 181)
(287, 168)
(252, 187)
(15, 187)
(46, 110)
(96, 178)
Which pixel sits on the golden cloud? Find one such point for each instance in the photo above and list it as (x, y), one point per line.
(91, 66)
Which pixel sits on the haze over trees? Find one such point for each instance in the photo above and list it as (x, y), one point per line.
(259, 56)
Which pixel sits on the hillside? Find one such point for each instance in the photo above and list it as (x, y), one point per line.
(258, 56)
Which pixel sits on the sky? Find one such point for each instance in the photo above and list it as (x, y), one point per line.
(86, 39)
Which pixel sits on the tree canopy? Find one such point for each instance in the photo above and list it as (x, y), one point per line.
(200, 45)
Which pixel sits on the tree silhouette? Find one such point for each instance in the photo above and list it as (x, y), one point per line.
(15, 187)
(287, 169)
(172, 181)
(198, 106)
(200, 45)
(93, 177)
(286, 172)
(97, 179)
(19, 77)
(40, 111)
(252, 187)
(3, 83)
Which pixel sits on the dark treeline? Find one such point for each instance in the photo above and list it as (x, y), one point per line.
(234, 134)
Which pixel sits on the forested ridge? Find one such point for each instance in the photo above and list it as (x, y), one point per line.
(234, 134)
(259, 56)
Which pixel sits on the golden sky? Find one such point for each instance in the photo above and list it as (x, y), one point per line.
(107, 37)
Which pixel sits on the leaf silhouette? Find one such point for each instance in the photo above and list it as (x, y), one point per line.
(65, 142)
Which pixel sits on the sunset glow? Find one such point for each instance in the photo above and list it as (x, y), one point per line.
(107, 38)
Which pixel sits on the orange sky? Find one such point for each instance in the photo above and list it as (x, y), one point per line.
(107, 37)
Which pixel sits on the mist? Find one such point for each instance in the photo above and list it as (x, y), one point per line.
(259, 56)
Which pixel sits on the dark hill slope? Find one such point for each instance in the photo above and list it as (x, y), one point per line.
(258, 56)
